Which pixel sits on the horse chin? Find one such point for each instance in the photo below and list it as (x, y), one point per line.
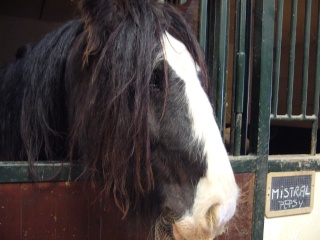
(206, 231)
(167, 229)
(196, 236)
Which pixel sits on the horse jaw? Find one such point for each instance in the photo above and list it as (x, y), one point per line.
(216, 193)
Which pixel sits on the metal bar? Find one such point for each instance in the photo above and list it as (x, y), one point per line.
(314, 137)
(17, 172)
(203, 25)
(244, 164)
(222, 52)
(247, 77)
(241, 59)
(276, 73)
(306, 57)
(226, 61)
(237, 135)
(243, 13)
(314, 134)
(239, 75)
(283, 163)
(294, 117)
(293, 33)
(210, 47)
(239, 97)
(233, 139)
(263, 41)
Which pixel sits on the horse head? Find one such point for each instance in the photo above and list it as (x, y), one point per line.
(155, 101)
(123, 90)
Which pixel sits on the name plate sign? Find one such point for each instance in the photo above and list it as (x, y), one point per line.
(289, 193)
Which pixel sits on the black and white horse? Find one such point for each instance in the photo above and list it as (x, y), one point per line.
(121, 90)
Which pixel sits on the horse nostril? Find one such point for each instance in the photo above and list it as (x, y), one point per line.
(168, 216)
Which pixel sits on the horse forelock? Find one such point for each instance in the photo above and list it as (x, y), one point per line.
(122, 60)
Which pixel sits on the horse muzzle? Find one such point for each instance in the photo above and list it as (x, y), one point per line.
(205, 228)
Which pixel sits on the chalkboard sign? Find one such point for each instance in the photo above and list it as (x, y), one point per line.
(289, 193)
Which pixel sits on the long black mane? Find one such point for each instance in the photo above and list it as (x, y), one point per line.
(83, 93)
(31, 98)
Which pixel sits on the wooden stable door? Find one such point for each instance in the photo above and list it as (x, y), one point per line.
(71, 210)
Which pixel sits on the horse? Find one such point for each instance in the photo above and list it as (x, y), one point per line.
(123, 91)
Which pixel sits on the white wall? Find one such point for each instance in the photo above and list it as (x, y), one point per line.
(298, 227)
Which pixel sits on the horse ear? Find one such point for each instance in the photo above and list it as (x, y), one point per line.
(190, 12)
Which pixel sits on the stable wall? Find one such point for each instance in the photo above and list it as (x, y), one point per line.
(16, 31)
(297, 227)
(24, 21)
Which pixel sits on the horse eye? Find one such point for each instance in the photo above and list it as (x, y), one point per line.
(157, 80)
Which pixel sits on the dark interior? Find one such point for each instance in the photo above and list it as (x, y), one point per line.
(23, 21)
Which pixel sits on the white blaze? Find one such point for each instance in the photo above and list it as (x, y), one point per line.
(218, 187)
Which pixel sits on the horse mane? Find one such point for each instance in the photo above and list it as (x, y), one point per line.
(121, 41)
(31, 98)
(42, 116)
